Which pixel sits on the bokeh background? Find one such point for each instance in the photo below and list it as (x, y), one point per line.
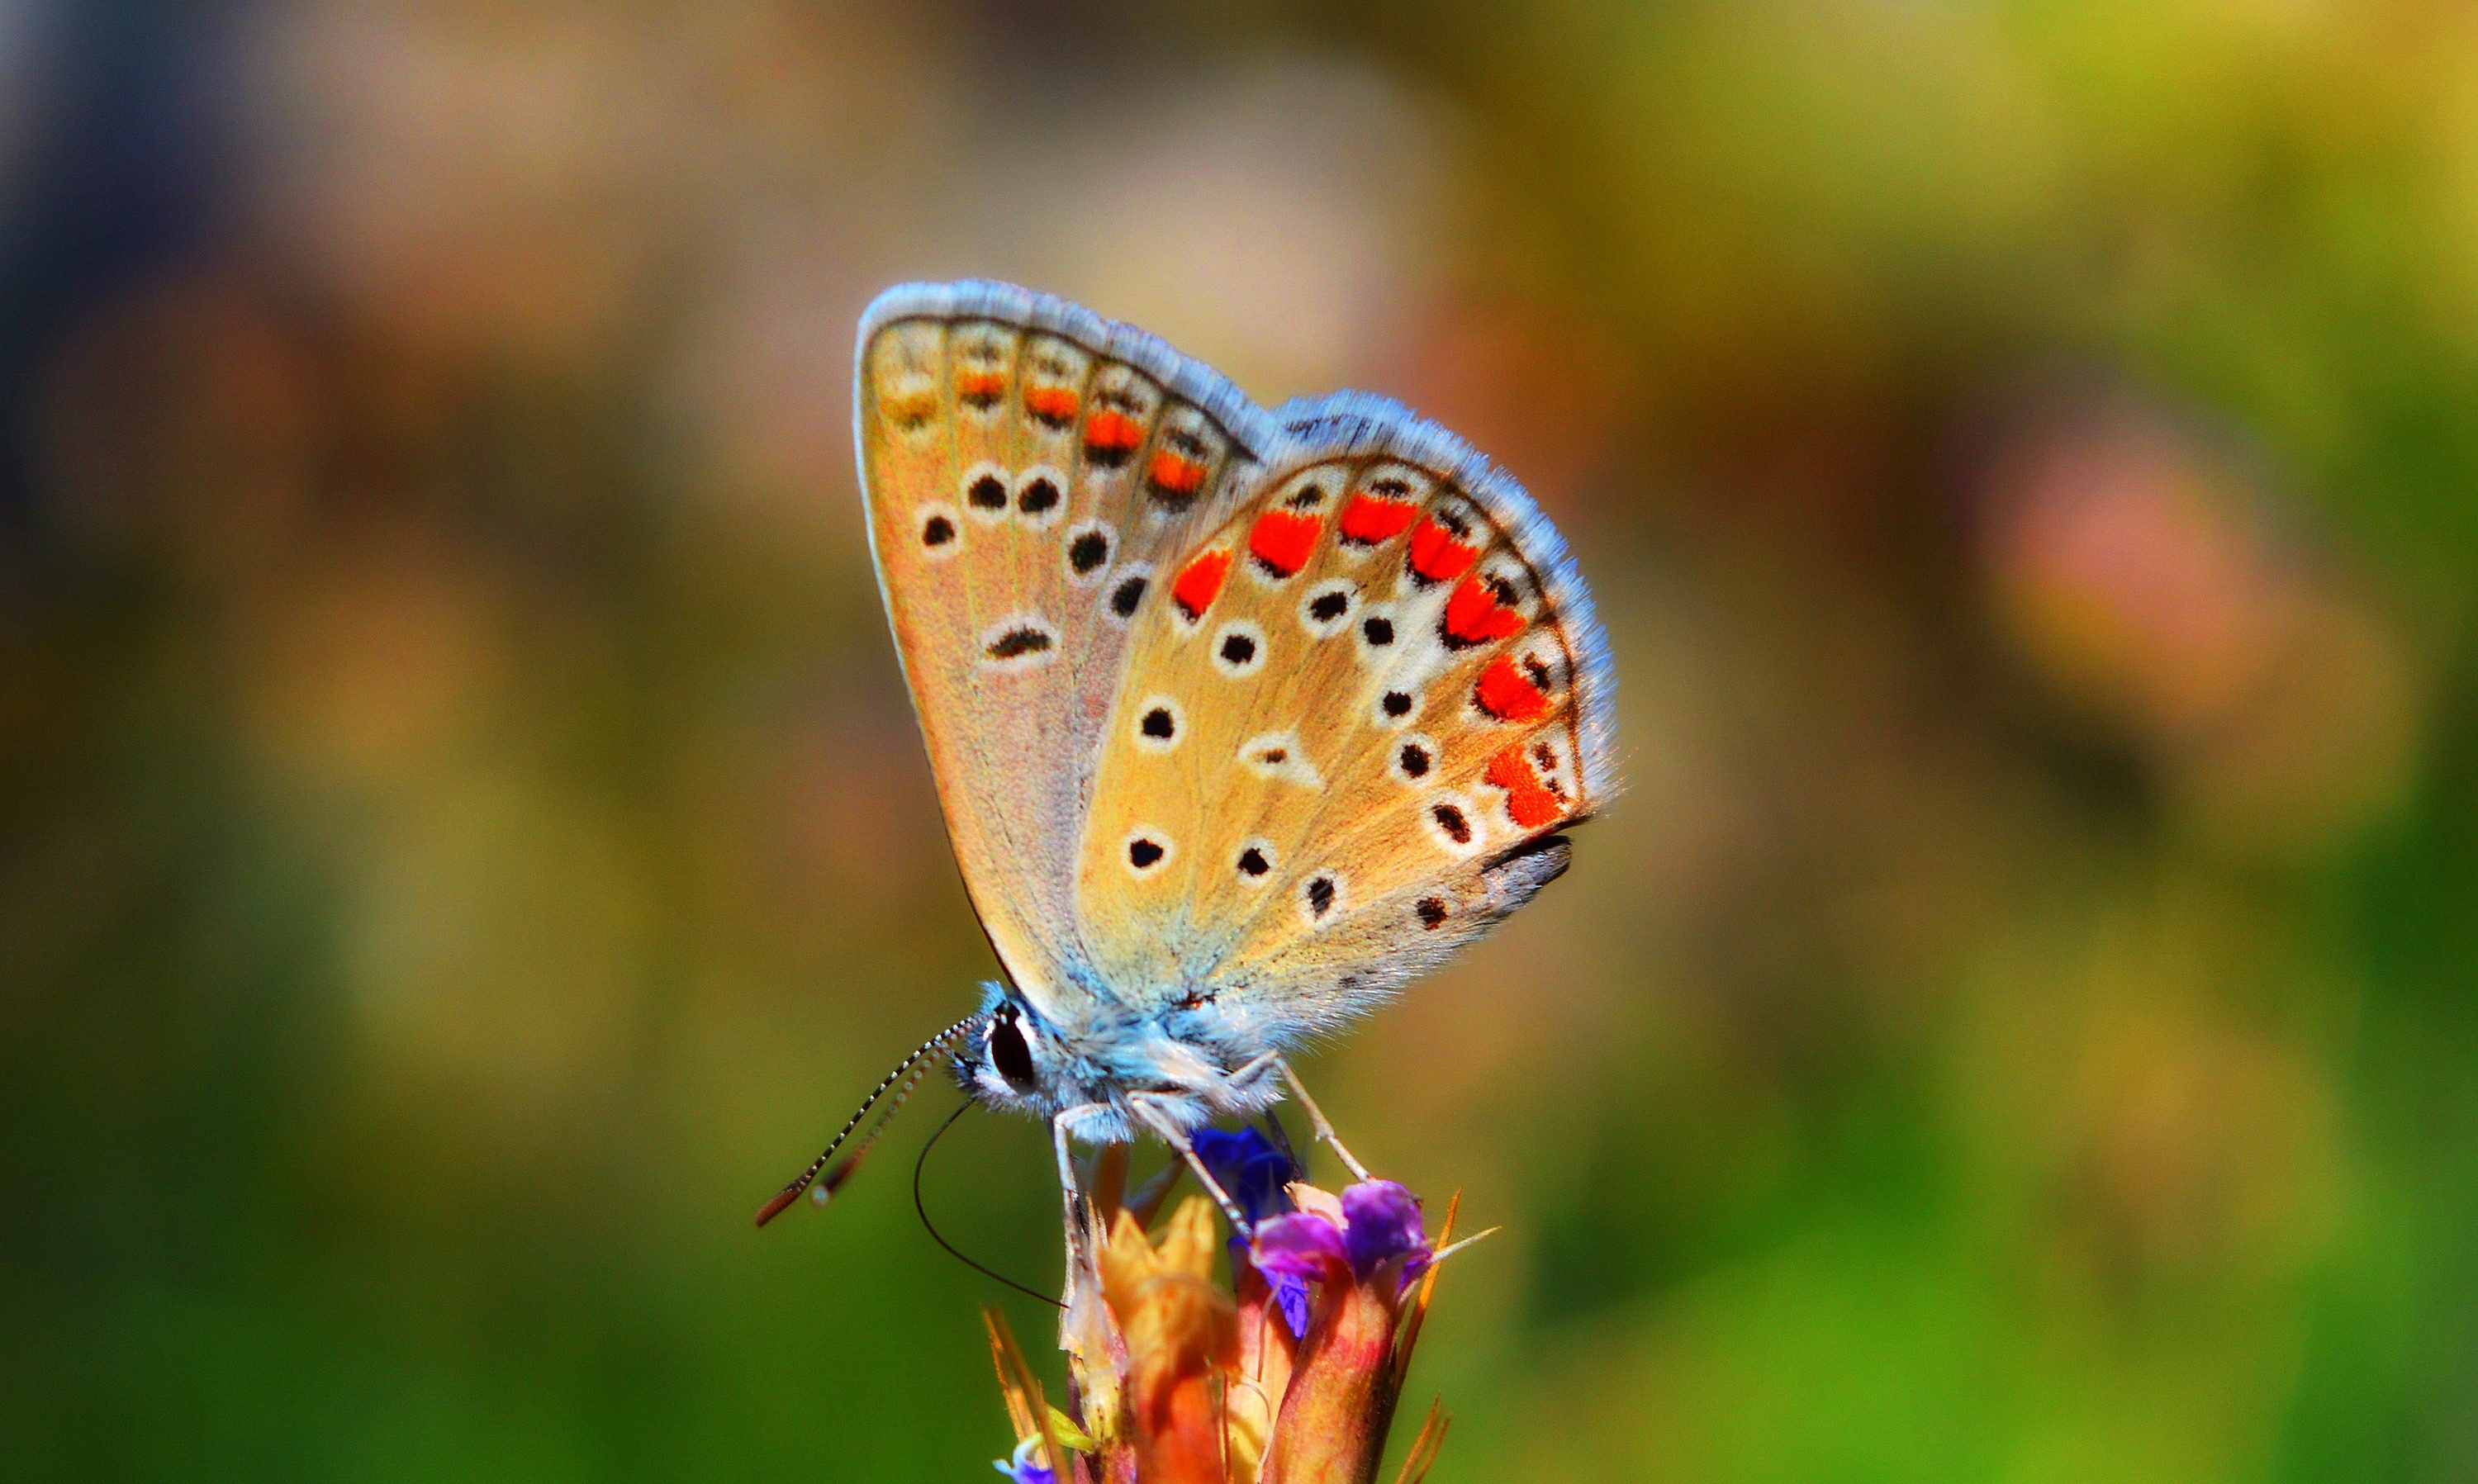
(463, 840)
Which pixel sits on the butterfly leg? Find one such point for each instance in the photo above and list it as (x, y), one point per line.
(1307, 1106)
(1070, 1192)
(1177, 1138)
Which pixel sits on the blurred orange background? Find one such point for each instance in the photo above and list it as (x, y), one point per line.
(463, 841)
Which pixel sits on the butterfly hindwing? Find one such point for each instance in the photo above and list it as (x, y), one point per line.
(1350, 723)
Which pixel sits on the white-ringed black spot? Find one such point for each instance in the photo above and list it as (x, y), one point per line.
(1326, 609)
(1019, 641)
(1145, 849)
(1255, 862)
(1239, 648)
(1454, 823)
(1278, 755)
(1015, 643)
(1127, 591)
(1160, 724)
(1088, 550)
(1413, 760)
(1038, 497)
(1375, 634)
(1395, 708)
(985, 492)
(1319, 895)
(941, 535)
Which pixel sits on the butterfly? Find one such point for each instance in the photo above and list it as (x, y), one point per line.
(1240, 719)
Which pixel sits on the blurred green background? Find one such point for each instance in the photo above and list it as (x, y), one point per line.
(463, 840)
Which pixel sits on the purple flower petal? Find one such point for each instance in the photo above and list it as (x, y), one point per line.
(1382, 1224)
(1297, 1245)
(1291, 1297)
(1249, 1167)
(1026, 1466)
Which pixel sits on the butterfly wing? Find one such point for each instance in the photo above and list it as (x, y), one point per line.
(1028, 469)
(1356, 709)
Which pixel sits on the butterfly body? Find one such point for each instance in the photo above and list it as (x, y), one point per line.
(1240, 719)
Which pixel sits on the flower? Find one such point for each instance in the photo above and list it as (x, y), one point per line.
(1026, 1467)
(1176, 1379)
(1376, 1225)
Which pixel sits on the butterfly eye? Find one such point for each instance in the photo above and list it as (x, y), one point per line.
(1009, 1052)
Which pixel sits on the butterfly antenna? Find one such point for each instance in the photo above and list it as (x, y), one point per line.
(908, 1073)
(922, 1162)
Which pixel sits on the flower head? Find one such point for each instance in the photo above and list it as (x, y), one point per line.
(1376, 1224)
(1178, 1379)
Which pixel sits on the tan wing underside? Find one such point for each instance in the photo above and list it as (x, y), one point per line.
(993, 458)
(1297, 755)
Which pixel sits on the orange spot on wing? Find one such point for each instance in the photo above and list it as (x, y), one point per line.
(1175, 474)
(1051, 404)
(1199, 583)
(1531, 804)
(1114, 432)
(1507, 694)
(1368, 519)
(980, 386)
(1284, 540)
(1436, 555)
(1474, 616)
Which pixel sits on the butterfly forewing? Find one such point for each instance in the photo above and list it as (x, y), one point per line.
(1029, 468)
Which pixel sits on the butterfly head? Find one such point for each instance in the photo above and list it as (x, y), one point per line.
(1016, 1057)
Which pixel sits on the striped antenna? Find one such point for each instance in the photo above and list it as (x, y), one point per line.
(908, 1073)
